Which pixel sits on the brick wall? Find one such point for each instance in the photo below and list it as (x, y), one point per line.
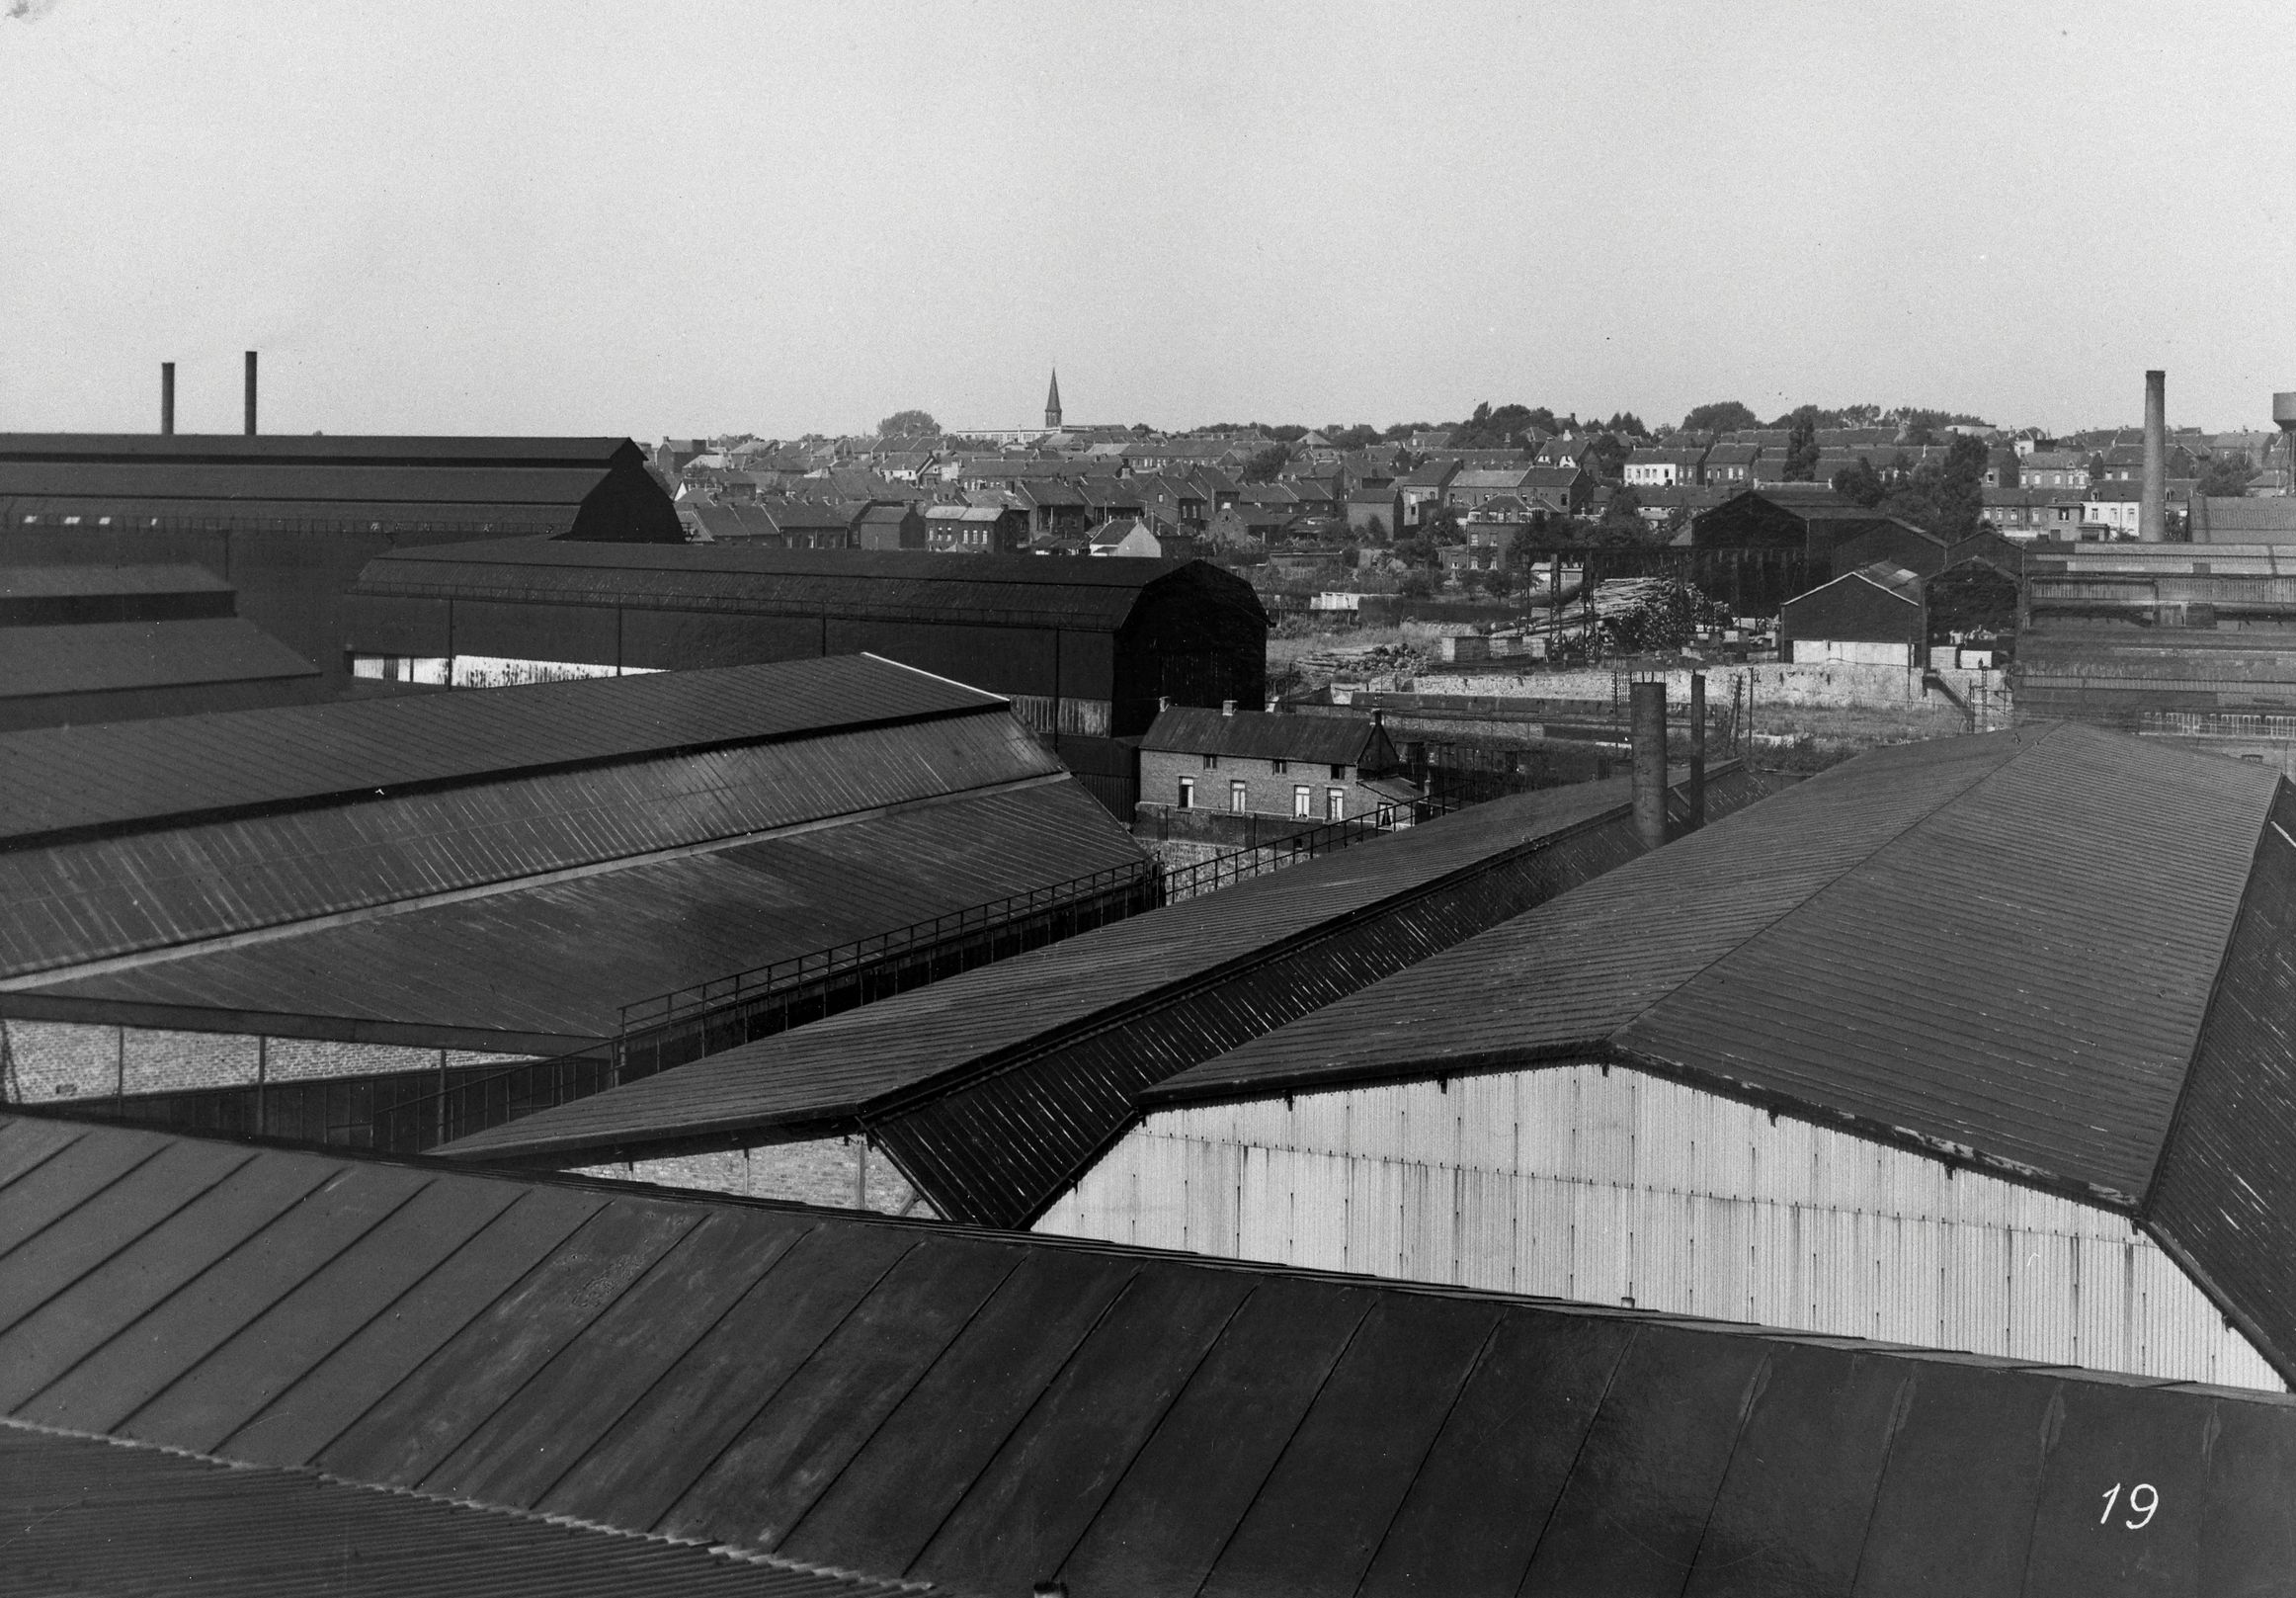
(819, 1172)
(41, 1062)
(1267, 790)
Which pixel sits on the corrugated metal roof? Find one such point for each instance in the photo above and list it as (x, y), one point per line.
(2001, 943)
(837, 1068)
(91, 1515)
(992, 590)
(558, 960)
(93, 657)
(987, 1411)
(84, 898)
(44, 582)
(1262, 736)
(208, 449)
(68, 779)
(252, 482)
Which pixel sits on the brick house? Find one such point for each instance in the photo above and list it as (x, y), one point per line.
(1311, 768)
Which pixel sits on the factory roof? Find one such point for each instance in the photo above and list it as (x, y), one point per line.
(97, 1515)
(72, 582)
(986, 1411)
(2016, 948)
(991, 590)
(89, 657)
(143, 773)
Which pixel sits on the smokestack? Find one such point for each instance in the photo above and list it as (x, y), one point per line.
(2153, 510)
(250, 393)
(167, 397)
(1697, 750)
(1649, 742)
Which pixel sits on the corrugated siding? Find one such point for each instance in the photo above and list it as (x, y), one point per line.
(65, 903)
(1611, 1186)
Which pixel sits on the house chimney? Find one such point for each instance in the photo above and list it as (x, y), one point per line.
(250, 393)
(2153, 509)
(1649, 744)
(1227, 707)
(167, 397)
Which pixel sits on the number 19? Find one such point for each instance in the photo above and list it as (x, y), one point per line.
(2144, 1498)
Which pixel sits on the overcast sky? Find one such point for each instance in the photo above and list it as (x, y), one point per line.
(653, 218)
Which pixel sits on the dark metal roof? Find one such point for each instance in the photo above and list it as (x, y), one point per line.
(1103, 984)
(989, 590)
(2002, 945)
(92, 1515)
(56, 582)
(251, 483)
(67, 902)
(1262, 736)
(91, 657)
(210, 449)
(70, 778)
(987, 1410)
(559, 959)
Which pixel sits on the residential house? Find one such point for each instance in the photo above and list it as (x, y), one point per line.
(1665, 465)
(1420, 492)
(975, 529)
(2117, 507)
(890, 526)
(1471, 489)
(1307, 767)
(1557, 491)
(1731, 465)
(1374, 513)
(1127, 536)
(2053, 468)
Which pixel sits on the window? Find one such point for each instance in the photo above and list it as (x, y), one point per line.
(1188, 793)
(1303, 802)
(1334, 804)
(1211, 761)
(1238, 797)
(1280, 766)
(1339, 772)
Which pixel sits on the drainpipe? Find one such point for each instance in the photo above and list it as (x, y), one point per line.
(1697, 750)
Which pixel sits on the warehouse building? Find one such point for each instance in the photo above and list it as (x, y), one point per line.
(112, 644)
(304, 920)
(988, 1413)
(1974, 1045)
(290, 522)
(992, 1091)
(1086, 650)
(1871, 616)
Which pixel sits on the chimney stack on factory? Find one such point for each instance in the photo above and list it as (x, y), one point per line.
(250, 393)
(167, 397)
(2153, 509)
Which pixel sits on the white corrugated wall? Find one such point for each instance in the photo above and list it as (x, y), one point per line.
(1610, 1187)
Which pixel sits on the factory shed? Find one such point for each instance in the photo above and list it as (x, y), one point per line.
(242, 902)
(1915, 1015)
(289, 521)
(98, 1515)
(988, 1413)
(1897, 542)
(991, 1091)
(1085, 651)
(1874, 616)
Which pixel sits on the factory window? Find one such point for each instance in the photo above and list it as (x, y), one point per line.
(1238, 802)
(1188, 793)
(1303, 802)
(1334, 804)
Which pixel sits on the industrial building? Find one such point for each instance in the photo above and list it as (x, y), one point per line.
(108, 643)
(992, 1091)
(290, 522)
(1873, 616)
(304, 920)
(989, 1413)
(1086, 650)
(1974, 1045)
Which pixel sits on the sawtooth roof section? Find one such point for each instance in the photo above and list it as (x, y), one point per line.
(1262, 736)
(143, 774)
(90, 657)
(89, 1514)
(886, 584)
(1999, 946)
(556, 960)
(837, 1068)
(986, 1411)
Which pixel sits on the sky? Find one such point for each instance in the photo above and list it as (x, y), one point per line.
(667, 218)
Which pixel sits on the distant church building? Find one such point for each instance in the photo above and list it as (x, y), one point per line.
(1052, 404)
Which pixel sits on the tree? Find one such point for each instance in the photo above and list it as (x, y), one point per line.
(1627, 423)
(1802, 450)
(2227, 476)
(1722, 416)
(907, 424)
(1859, 482)
(1264, 465)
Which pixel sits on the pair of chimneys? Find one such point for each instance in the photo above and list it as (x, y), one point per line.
(167, 395)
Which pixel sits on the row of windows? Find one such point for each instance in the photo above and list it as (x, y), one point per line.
(1280, 766)
(1302, 799)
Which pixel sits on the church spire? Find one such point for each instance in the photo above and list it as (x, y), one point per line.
(1052, 402)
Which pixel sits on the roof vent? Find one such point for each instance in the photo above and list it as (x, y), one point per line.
(1227, 707)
